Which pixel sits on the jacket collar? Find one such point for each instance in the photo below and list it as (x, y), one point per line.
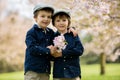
(58, 33)
(39, 28)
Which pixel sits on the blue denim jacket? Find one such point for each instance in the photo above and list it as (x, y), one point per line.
(37, 55)
(68, 66)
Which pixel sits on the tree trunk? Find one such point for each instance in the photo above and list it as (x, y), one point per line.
(102, 63)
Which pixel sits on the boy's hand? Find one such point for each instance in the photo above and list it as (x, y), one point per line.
(55, 52)
(72, 29)
(51, 49)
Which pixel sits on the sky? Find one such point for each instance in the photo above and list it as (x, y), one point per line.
(21, 6)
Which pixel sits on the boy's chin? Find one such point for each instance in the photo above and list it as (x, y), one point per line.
(44, 26)
(62, 29)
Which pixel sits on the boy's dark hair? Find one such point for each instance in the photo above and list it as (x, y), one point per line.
(61, 15)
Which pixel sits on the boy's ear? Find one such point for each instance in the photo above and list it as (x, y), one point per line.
(35, 18)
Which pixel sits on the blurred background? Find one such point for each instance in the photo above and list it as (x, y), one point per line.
(97, 23)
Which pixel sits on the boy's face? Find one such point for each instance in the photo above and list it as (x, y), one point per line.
(43, 18)
(61, 23)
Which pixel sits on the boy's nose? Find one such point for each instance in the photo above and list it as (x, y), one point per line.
(61, 22)
(46, 18)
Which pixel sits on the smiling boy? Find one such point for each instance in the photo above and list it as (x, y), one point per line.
(37, 63)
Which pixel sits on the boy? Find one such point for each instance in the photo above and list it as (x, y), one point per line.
(66, 62)
(37, 63)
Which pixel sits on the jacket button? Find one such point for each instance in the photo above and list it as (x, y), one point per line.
(40, 54)
(64, 60)
(64, 57)
(64, 68)
(46, 52)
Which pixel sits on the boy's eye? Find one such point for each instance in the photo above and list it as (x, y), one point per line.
(43, 16)
(57, 20)
(49, 17)
(46, 16)
(64, 19)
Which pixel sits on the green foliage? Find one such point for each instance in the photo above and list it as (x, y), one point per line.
(9, 66)
(88, 38)
(89, 72)
(90, 58)
(92, 72)
(12, 76)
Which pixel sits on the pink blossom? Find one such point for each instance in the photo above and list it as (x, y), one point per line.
(59, 42)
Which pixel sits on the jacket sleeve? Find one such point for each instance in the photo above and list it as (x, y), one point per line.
(77, 50)
(33, 47)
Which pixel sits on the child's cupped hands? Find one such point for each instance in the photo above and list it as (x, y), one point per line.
(54, 52)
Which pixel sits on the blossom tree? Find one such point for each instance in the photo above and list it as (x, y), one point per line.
(100, 18)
